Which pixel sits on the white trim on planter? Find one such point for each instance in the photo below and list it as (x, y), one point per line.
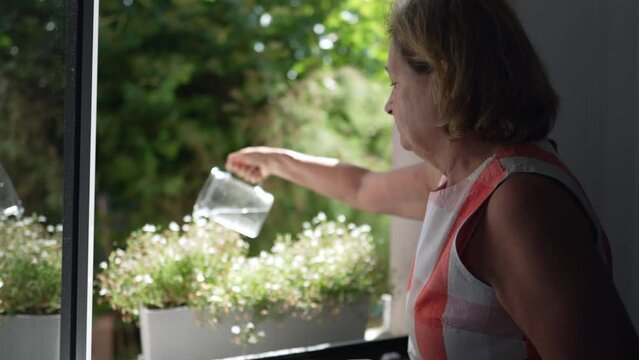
(33, 337)
(169, 334)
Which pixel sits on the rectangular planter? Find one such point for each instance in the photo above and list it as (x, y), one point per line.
(175, 333)
(33, 337)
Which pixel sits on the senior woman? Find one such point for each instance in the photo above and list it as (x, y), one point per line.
(512, 262)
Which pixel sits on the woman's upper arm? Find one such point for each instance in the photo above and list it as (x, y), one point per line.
(402, 192)
(539, 257)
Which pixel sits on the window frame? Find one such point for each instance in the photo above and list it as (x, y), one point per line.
(79, 172)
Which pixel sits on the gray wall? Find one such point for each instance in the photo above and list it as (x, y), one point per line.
(591, 51)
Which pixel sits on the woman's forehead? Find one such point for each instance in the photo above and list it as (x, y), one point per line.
(393, 57)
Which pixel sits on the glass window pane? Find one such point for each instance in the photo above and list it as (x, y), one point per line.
(179, 93)
(32, 104)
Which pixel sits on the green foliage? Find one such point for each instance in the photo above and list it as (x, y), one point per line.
(32, 85)
(206, 267)
(178, 93)
(333, 113)
(30, 266)
(181, 84)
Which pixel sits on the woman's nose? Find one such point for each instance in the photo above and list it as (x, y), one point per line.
(388, 108)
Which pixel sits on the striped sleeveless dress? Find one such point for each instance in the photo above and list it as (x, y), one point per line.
(451, 314)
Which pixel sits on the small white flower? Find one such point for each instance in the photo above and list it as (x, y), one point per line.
(200, 277)
(49, 242)
(103, 265)
(149, 228)
(319, 218)
(341, 218)
(103, 291)
(306, 225)
(236, 289)
(50, 228)
(1, 283)
(215, 298)
(279, 262)
(148, 279)
(277, 248)
(59, 228)
(173, 226)
(187, 218)
(42, 218)
(235, 329)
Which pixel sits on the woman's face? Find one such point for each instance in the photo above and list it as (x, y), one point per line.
(412, 105)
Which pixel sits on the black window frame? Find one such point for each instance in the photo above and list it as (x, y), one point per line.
(79, 171)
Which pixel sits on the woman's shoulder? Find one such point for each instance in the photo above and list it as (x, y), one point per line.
(538, 255)
(534, 204)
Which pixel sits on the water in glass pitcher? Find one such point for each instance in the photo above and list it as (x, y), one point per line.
(233, 203)
(241, 220)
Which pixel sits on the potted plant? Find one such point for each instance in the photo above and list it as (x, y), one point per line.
(198, 295)
(30, 285)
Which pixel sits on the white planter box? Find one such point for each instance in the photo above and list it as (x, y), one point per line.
(169, 334)
(32, 337)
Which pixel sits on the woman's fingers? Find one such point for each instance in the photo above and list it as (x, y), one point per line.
(248, 166)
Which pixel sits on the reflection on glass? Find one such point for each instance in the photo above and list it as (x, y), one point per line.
(10, 204)
(32, 98)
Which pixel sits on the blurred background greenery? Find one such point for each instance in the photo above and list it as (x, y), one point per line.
(181, 84)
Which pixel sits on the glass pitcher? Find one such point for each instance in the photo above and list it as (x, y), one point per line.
(10, 204)
(233, 203)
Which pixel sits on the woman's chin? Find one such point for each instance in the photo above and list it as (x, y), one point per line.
(405, 144)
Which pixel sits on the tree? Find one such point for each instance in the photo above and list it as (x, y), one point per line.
(178, 93)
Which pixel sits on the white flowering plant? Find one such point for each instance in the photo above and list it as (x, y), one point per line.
(164, 268)
(30, 266)
(329, 263)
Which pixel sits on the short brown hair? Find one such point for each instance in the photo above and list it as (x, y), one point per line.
(490, 81)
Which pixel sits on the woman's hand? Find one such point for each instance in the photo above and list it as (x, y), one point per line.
(253, 164)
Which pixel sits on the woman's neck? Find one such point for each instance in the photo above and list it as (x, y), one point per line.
(459, 158)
